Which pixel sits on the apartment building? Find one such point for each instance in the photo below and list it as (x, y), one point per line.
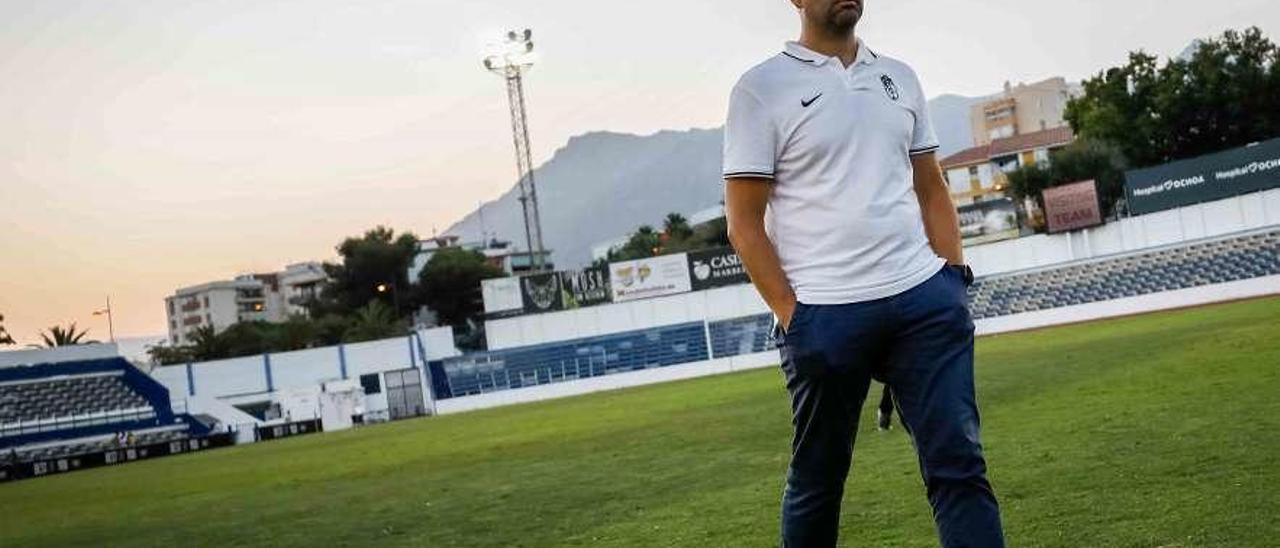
(1021, 109)
(978, 173)
(269, 297)
(301, 283)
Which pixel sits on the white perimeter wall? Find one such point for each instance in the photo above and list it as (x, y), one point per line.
(1219, 218)
(1240, 213)
(241, 380)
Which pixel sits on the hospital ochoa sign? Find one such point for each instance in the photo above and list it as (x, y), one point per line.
(1205, 178)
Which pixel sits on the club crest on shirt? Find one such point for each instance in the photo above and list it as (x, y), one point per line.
(890, 88)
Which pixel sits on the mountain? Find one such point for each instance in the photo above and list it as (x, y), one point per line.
(950, 114)
(602, 185)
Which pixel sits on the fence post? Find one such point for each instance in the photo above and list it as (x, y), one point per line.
(266, 368)
(706, 333)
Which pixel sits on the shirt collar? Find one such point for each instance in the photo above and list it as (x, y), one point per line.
(807, 56)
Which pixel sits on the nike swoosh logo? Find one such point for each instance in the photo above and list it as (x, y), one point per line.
(806, 104)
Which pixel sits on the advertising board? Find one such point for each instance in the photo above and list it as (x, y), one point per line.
(715, 268)
(541, 293)
(988, 221)
(1072, 206)
(649, 277)
(1204, 178)
(586, 287)
(501, 296)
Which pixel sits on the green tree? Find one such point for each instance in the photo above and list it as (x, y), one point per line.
(1080, 161)
(63, 336)
(1226, 94)
(378, 258)
(676, 228)
(645, 242)
(450, 284)
(4, 334)
(330, 329)
(375, 321)
(713, 233)
(246, 339)
(205, 344)
(295, 333)
(165, 354)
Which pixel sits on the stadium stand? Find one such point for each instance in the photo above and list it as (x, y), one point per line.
(68, 397)
(1189, 265)
(1185, 265)
(97, 444)
(50, 411)
(482, 372)
(738, 336)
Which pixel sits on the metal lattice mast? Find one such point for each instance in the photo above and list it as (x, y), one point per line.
(511, 64)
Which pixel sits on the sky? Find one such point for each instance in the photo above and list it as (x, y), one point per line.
(148, 145)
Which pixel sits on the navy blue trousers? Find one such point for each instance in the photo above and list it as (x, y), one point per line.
(920, 344)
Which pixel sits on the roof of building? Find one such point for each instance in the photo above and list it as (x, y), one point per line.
(237, 283)
(1048, 138)
(1057, 136)
(976, 155)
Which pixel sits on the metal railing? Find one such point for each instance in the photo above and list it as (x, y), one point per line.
(53, 424)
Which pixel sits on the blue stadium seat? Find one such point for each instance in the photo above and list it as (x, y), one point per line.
(1192, 265)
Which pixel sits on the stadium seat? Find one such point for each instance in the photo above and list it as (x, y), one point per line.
(1189, 265)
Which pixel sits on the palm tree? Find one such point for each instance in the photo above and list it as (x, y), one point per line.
(4, 335)
(374, 321)
(645, 242)
(205, 344)
(58, 336)
(676, 227)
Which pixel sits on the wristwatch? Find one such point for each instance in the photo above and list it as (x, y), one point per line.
(964, 271)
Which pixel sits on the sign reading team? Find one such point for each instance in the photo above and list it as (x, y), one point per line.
(618, 282)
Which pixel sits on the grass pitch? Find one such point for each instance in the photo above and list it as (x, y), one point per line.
(1158, 430)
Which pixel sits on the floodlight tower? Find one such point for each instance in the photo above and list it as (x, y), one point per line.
(510, 60)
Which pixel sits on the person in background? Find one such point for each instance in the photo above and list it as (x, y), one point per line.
(884, 415)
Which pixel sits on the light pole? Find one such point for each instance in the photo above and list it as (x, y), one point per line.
(111, 328)
(510, 60)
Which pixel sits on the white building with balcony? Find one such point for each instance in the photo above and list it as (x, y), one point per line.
(270, 297)
(301, 283)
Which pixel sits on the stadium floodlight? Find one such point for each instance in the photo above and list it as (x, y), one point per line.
(510, 59)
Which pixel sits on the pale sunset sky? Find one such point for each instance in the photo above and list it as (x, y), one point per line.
(150, 145)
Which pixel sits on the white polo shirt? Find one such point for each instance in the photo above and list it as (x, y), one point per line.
(837, 142)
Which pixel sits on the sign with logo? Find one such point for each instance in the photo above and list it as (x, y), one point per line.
(586, 287)
(988, 221)
(541, 293)
(1072, 207)
(501, 296)
(715, 268)
(890, 88)
(1205, 178)
(650, 277)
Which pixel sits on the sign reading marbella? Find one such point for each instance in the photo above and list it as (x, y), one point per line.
(1210, 177)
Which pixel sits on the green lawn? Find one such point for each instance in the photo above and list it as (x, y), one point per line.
(1158, 430)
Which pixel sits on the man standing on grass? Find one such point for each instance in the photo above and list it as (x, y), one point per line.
(840, 213)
